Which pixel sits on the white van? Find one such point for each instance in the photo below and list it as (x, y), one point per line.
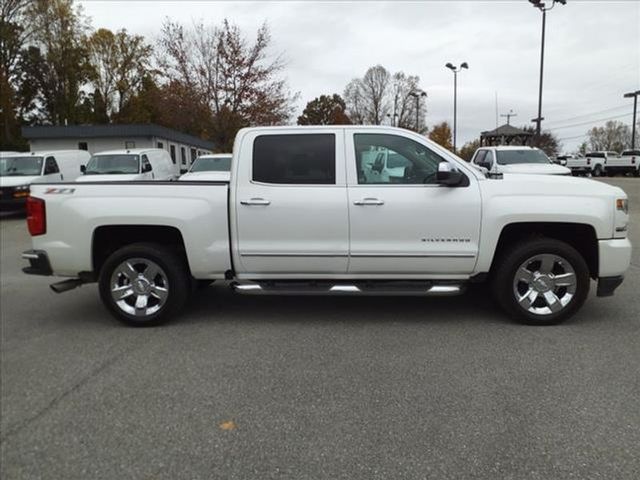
(210, 168)
(19, 170)
(517, 159)
(130, 165)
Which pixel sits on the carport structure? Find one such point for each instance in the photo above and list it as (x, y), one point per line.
(505, 135)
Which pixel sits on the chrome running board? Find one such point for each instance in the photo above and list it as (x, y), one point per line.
(373, 288)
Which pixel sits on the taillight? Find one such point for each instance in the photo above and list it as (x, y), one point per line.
(588, 161)
(633, 160)
(36, 216)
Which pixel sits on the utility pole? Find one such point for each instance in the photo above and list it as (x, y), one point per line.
(509, 115)
(635, 110)
(540, 5)
(455, 71)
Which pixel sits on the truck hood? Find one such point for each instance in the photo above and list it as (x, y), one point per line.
(206, 176)
(125, 177)
(554, 185)
(17, 180)
(535, 168)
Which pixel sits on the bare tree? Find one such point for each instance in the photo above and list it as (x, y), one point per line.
(612, 136)
(236, 78)
(380, 96)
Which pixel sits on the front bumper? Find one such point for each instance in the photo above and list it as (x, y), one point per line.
(614, 257)
(38, 263)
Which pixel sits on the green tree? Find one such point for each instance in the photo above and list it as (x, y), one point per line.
(468, 149)
(325, 110)
(441, 134)
(119, 62)
(56, 63)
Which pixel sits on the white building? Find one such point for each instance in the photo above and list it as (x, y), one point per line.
(183, 148)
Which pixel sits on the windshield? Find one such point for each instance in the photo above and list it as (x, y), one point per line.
(512, 157)
(113, 164)
(20, 166)
(208, 164)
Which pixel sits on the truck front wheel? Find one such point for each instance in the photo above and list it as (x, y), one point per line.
(144, 284)
(541, 281)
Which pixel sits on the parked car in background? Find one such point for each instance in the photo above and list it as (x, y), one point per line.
(211, 168)
(561, 159)
(129, 165)
(19, 170)
(299, 218)
(516, 159)
(627, 162)
(593, 163)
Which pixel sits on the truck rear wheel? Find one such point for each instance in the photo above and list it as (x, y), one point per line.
(541, 281)
(144, 284)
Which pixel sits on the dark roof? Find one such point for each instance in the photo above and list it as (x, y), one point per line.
(505, 130)
(114, 130)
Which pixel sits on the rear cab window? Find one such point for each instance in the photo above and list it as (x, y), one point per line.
(295, 159)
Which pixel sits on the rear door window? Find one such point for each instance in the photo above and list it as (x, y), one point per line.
(295, 159)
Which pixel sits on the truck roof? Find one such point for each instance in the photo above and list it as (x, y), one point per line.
(509, 147)
(130, 151)
(39, 153)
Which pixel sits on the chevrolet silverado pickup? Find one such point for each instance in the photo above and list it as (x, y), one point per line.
(302, 215)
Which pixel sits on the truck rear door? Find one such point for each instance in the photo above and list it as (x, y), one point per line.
(289, 203)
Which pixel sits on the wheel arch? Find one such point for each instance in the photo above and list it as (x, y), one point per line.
(106, 239)
(580, 236)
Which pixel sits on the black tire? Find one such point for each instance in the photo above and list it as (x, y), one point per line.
(505, 270)
(174, 273)
(636, 173)
(597, 171)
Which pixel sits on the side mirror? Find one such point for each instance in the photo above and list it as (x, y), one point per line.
(83, 168)
(446, 175)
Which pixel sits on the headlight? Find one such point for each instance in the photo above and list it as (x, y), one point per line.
(21, 188)
(622, 205)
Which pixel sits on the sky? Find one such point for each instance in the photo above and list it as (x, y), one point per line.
(592, 54)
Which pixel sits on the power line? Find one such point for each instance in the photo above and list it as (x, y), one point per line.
(573, 138)
(591, 122)
(588, 114)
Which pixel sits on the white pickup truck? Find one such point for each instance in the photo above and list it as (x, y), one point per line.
(593, 163)
(300, 216)
(627, 162)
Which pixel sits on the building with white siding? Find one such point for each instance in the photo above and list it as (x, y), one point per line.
(183, 148)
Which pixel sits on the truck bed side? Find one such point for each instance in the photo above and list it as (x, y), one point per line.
(75, 211)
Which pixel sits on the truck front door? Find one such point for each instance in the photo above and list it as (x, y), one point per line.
(406, 223)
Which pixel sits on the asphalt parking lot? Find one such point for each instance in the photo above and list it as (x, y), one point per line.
(309, 388)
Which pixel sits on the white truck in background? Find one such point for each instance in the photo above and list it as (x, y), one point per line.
(593, 163)
(516, 159)
(627, 162)
(300, 216)
(129, 165)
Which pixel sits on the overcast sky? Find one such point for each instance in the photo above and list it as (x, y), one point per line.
(592, 54)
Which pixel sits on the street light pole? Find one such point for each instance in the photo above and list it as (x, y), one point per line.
(417, 94)
(540, 5)
(635, 110)
(455, 71)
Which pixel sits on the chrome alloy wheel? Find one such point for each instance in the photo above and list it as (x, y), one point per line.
(139, 287)
(545, 284)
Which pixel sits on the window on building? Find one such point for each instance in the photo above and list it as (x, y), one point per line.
(172, 150)
(183, 155)
(193, 154)
(160, 145)
(83, 146)
(129, 144)
(295, 159)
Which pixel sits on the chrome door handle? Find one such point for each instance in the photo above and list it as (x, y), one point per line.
(369, 201)
(255, 201)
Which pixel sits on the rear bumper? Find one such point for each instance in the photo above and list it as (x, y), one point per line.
(38, 263)
(622, 169)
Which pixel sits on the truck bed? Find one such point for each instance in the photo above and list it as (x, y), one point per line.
(198, 210)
